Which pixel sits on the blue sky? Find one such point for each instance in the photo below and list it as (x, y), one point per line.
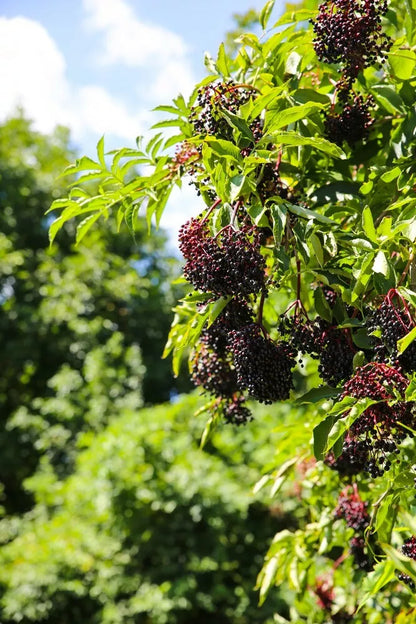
(100, 66)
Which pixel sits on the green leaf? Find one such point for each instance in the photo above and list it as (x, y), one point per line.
(318, 394)
(295, 139)
(308, 214)
(321, 304)
(368, 224)
(100, 152)
(402, 63)
(406, 341)
(85, 225)
(320, 437)
(222, 62)
(239, 123)
(278, 214)
(265, 13)
(279, 119)
(268, 578)
(343, 424)
(381, 264)
(224, 148)
(383, 573)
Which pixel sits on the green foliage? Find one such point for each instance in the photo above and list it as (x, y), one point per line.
(148, 528)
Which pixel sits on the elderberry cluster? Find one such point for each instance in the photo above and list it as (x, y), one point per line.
(390, 322)
(374, 437)
(207, 115)
(228, 264)
(324, 342)
(353, 510)
(353, 123)
(409, 547)
(349, 32)
(234, 359)
(263, 367)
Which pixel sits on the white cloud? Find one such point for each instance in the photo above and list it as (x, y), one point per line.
(33, 76)
(129, 41)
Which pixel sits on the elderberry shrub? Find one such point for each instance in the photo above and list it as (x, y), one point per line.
(352, 124)
(409, 547)
(353, 510)
(263, 367)
(391, 323)
(228, 264)
(349, 32)
(376, 433)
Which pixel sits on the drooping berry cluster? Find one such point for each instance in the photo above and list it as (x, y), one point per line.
(376, 433)
(353, 510)
(263, 367)
(324, 342)
(349, 33)
(353, 123)
(228, 264)
(390, 322)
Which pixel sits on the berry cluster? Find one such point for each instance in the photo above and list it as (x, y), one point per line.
(227, 264)
(406, 579)
(349, 32)
(390, 322)
(352, 124)
(324, 342)
(354, 511)
(376, 433)
(263, 367)
(207, 115)
(409, 547)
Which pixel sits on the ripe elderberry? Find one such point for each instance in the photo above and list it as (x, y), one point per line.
(236, 314)
(352, 124)
(406, 579)
(229, 264)
(409, 547)
(349, 32)
(263, 368)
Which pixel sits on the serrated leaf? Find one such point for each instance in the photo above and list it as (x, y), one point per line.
(222, 62)
(380, 264)
(342, 425)
(100, 152)
(320, 437)
(85, 225)
(279, 119)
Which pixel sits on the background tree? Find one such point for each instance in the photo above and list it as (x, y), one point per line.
(79, 327)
